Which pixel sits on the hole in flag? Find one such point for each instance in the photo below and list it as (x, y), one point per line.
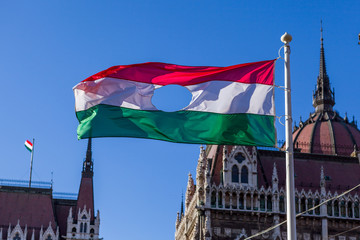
(171, 98)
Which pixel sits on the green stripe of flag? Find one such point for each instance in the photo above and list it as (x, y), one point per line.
(28, 148)
(181, 126)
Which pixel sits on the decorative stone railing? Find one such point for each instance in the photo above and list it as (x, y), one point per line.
(269, 201)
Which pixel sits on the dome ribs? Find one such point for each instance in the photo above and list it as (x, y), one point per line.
(350, 134)
(313, 132)
(332, 137)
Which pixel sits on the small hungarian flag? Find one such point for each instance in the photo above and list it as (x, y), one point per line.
(29, 145)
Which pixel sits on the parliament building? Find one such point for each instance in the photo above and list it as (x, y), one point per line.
(36, 213)
(240, 190)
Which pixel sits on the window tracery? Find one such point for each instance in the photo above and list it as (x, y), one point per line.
(239, 157)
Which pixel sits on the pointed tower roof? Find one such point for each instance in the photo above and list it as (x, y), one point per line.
(326, 132)
(86, 190)
(182, 206)
(323, 98)
(88, 164)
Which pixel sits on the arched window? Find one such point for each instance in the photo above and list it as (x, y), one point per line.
(356, 209)
(220, 200)
(269, 203)
(336, 208)
(235, 174)
(342, 209)
(303, 205)
(73, 229)
(92, 230)
(349, 209)
(234, 201)
(329, 208)
(17, 237)
(310, 205)
(227, 200)
(282, 204)
(317, 210)
(262, 202)
(81, 227)
(297, 205)
(248, 201)
(241, 201)
(244, 175)
(255, 202)
(213, 199)
(49, 237)
(83, 217)
(85, 227)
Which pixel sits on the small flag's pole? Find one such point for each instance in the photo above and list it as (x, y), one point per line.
(290, 186)
(31, 162)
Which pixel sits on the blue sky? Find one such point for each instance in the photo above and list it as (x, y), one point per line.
(47, 47)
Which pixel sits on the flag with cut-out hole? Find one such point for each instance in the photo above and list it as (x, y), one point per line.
(231, 105)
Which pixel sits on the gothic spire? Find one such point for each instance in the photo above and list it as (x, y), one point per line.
(88, 164)
(323, 98)
(86, 190)
(182, 206)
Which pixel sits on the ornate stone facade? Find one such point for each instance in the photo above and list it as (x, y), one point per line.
(240, 191)
(28, 213)
(231, 208)
(83, 228)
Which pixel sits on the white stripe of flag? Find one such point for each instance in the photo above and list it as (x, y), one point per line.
(29, 145)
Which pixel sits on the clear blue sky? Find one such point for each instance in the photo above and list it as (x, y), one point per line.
(47, 47)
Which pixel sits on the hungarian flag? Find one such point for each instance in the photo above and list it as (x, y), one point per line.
(29, 145)
(231, 105)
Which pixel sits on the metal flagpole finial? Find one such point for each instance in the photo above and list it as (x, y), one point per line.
(286, 38)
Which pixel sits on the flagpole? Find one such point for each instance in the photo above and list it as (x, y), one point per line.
(290, 186)
(31, 162)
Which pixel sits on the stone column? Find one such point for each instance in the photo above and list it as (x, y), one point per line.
(324, 228)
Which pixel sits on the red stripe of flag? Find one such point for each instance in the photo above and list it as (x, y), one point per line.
(28, 142)
(166, 74)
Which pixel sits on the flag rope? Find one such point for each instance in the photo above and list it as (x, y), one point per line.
(300, 214)
(279, 54)
(280, 87)
(279, 118)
